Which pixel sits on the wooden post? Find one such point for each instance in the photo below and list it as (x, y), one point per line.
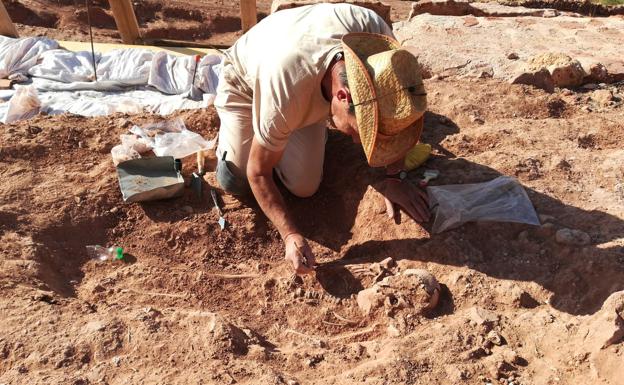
(126, 21)
(7, 28)
(249, 14)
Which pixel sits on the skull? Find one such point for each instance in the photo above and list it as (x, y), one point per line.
(413, 291)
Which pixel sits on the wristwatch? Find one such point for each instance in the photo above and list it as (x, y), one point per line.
(401, 175)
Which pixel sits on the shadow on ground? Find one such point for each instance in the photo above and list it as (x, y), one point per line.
(580, 278)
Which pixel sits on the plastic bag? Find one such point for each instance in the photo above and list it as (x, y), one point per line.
(137, 143)
(24, 104)
(500, 200)
(122, 153)
(172, 138)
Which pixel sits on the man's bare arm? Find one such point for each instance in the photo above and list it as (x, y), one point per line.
(260, 175)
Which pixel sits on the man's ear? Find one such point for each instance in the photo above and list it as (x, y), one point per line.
(343, 95)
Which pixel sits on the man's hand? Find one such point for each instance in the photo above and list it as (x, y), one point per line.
(299, 254)
(408, 197)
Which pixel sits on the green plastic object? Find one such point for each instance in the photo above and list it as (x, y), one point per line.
(119, 253)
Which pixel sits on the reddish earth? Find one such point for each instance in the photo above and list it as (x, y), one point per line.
(195, 305)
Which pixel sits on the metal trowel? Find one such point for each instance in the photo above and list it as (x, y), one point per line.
(215, 199)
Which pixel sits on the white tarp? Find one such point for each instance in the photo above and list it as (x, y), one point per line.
(129, 80)
(17, 56)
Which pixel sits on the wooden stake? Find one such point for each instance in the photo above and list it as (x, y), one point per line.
(249, 14)
(7, 28)
(126, 21)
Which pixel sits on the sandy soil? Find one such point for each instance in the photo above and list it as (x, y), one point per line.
(195, 305)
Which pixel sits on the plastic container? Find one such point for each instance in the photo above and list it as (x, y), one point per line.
(102, 253)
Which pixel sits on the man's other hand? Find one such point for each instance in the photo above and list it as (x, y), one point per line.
(299, 254)
(408, 197)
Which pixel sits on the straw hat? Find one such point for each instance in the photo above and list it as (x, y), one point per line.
(388, 94)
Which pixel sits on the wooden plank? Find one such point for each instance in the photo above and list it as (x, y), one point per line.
(248, 13)
(126, 21)
(77, 46)
(5, 84)
(7, 28)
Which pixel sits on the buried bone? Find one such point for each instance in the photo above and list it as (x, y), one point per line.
(413, 291)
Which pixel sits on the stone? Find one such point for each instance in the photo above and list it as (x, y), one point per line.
(387, 263)
(495, 338)
(597, 73)
(513, 56)
(603, 97)
(257, 352)
(565, 71)
(443, 8)
(381, 9)
(483, 318)
(572, 237)
(520, 298)
(540, 79)
(467, 7)
(470, 21)
(606, 327)
(187, 209)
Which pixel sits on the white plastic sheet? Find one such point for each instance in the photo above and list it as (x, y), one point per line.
(65, 70)
(500, 200)
(24, 104)
(129, 80)
(172, 138)
(17, 56)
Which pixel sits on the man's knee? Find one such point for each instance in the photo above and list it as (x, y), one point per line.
(305, 188)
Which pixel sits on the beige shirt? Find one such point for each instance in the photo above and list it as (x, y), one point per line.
(281, 61)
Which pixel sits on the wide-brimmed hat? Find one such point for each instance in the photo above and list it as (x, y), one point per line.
(388, 95)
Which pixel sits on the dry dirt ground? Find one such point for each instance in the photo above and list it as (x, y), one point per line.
(195, 305)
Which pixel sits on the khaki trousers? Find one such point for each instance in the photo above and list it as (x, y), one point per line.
(301, 166)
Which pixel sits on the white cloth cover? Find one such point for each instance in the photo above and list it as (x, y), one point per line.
(129, 80)
(17, 56)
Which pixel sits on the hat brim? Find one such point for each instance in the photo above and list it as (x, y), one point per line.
(380, 150)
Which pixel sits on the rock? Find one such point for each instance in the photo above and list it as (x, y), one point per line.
(597, 73)
(393, 331)
(470, 21)
(520, 298)
(257, 352)
(443, 8)
(572, 237)
(565, 71)
(387, 263)
(187, 209)
(602, 97)
(495, 338)
(467, 7)
(615, 69)
(483, 318)
(606, 327)
(540, 79)
(381, 9)
(492, 9)
(513, 56)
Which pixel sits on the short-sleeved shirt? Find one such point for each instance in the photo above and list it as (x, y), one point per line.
(280, 63)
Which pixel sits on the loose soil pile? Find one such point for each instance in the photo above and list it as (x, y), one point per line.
(192, 304)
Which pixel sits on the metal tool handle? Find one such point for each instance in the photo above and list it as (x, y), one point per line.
(213, 194)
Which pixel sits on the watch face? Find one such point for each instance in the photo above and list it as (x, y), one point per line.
(402, 174)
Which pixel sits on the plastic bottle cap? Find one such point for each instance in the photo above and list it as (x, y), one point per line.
(119, 253)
